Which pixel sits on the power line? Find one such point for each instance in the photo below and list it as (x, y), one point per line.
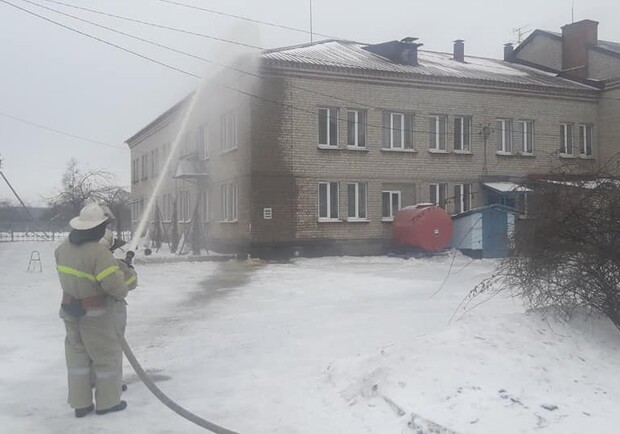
(252, 20)
(331, 96)
(290, 106)
(64, 133)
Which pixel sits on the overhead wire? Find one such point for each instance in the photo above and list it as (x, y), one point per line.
(230, 67)
(44, 127)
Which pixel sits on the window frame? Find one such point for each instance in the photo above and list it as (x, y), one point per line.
(463, 198)
(440, 187)
(332, 113)
(328, 201)
(357, 199)
(437, 134)
(390, 194)
(567, 140)
(462, 146)
(229, 199)
(359, 125)
(586, 145)
(504, 136)
(526, 132)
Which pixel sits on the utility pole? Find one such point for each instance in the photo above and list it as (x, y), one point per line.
(18, 198)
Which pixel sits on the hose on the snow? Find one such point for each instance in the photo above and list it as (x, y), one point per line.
(165, 399)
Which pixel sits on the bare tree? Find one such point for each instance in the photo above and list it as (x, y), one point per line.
(118, 200)
(567, 251)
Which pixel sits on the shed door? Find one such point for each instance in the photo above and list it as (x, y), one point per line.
(494, 235)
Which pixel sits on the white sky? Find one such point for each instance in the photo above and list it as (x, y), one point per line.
(60, 79)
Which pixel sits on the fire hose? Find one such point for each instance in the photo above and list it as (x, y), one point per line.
(159, 394)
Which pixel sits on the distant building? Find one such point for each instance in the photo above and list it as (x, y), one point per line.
(316, 155)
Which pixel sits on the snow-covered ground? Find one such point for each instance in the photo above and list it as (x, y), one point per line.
(331, 345)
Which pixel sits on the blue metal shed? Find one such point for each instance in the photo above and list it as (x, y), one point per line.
(484, 232)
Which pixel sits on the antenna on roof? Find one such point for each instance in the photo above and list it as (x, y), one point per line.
(572, 11)
(521, 32)
(311, 22)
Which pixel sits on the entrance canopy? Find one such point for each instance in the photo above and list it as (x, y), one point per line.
(505, 187)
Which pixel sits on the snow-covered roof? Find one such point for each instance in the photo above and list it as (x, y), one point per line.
(506, 187)
(353, 57)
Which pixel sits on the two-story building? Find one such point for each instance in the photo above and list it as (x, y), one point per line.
(315, 151)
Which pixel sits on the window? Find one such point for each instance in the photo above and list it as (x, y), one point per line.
(203, 141)
(205, 208)
(135, 173)
(525, 136)
(566, 139)
(228, 125)
(504, 136)
(153, 167)
(184, 206)
(437, 132)
(328, 201)
(390, 204)
(462, 198)
(356, 200)
(328, 127)
(462, 133)
(438, 194)
(145, 167)
(228, 195)
(585, 140)
(356, 128)
(397, 131)
(135, 211)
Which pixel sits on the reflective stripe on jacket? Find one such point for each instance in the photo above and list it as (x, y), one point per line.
(88, 270)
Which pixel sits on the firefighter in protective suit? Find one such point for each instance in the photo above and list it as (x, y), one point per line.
(92, 284)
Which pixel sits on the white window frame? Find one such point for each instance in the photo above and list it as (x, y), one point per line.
(462, 142)
(357, 127)
(204, 142)
(460, 198)
(328, 218)
(585, 145)
(229, 133)
(567, 139)
(358, 215)
(438, 145)
(505, 136)
(526, 131)
(390, 193)
(439, 187)
(402, 130)
(206, 206)
(328, 116)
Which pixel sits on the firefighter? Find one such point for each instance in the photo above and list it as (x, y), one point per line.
(92, 284)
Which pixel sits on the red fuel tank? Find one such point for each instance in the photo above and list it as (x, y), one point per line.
(425, 226)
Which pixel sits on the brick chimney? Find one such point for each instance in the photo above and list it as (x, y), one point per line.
(409, 51)
(459, 50)
(576, 37)
(508, 52)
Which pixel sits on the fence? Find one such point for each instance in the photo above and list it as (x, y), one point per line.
(12, 236)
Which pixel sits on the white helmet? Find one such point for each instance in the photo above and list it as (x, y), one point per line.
(92, 215)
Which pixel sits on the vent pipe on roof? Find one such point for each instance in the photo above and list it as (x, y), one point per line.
(508, 52)
(409, 51)
(459, 50)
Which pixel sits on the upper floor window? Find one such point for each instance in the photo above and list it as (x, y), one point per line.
(462, 133)
(397, 130)
(145, 166)
(504, 136)
(356, 128)
(390, 204)
(566, 139)
(462, 198)
(328, 201)
(585, 140)
(438, 194)
(356, 200)
(135, 171)
(437, 132)
(203, 141)
(525, 136)
(229, 130)
(228, 194)
(328, 127)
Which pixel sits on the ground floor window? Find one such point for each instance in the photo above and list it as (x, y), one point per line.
(328, 201)
(462, 198)
(228, 195)
(184, 206)
(356, 200)
(437, 194)
(390, 204)
(205, 206)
